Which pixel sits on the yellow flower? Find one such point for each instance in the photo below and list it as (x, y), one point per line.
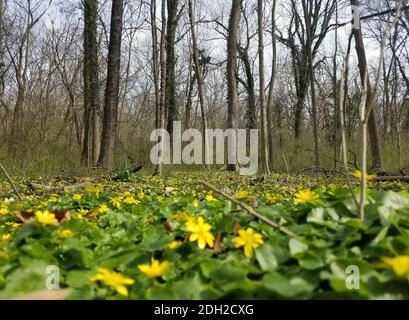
(141, 196)
(45, 217)
(210, 198)
(66, 233)
(174, 244)
(305, 196)
(156, 269)
(53, 199)
(200, 232)
(242, 195)
(6, 236)
(127, 194)
(358, 175)
(83, 211)
(113, 279)
(195, 203)
(400, 264)
(4, 210)
(249, 240)
(103, 208)
(76, 197)
(116, 202)
(14, 225)
(131, 200)
(182, 216)
(93, 189)
(271, 199)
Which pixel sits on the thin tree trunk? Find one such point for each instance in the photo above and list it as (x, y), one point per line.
(155, 65)
(198, 74)
(363, 69)
(270, 100)
(263, 124)
(162, 60)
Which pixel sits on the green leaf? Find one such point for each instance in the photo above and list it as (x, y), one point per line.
(266, 258)
(296, 246)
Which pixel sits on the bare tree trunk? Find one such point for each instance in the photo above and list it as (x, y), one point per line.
(106, 157)
(91, 87)
(1, 52)
(335, 93)
(263, 124)
(199, 79)
(162, 60)
(232, 97)
(308, 26)
(155, 62)
(270, 100)
(251, 118)
(171, 103)
(363, 69)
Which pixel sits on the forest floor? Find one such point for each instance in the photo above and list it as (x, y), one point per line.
(144, 237)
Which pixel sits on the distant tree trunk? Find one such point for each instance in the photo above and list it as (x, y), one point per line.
(232, 97)
(263, 111)
(171, 103)
(251, 119)
(91, 86)
(155, 62)
(335, 93)
(1, 52)
(188, 104)
(308, 26)
(106, 157)
(199, 79)
(363, 70)
(270, 100)
(162, 62)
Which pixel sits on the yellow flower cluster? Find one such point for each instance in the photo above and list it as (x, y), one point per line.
(119, 282)
(358, 175)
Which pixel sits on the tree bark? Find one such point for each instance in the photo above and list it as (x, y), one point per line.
(162, 61)
(91, 86)
(106, 157)
(270, 98)
(363, 70)
(232, 97)
(171, 103)
(263, 111)
(310, 58)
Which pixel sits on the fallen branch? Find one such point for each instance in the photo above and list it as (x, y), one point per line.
(319, 170)
(250, 210)
(392, 178)
(11, 182)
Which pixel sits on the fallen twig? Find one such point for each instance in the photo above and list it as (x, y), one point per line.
(392, 178)
(11, 182)
(250, 210)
